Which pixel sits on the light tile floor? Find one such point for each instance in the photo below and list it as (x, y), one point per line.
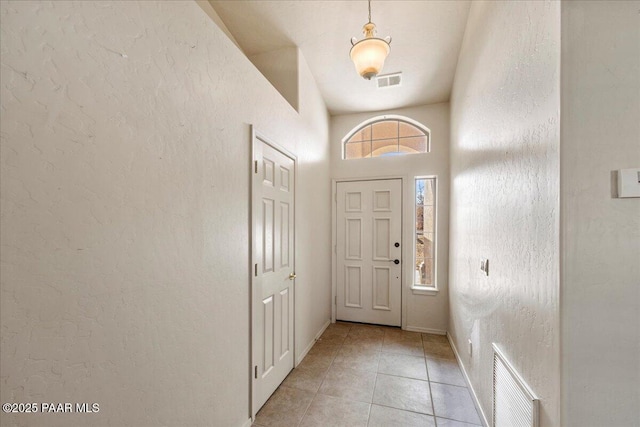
(365, 375)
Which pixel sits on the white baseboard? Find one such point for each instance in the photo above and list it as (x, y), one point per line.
(247, 423)
(318, 335)
(474, 396)
(425, 330)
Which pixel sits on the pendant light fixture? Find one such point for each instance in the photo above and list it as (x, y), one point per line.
(369, 54)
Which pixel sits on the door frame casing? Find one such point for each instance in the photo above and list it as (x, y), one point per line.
(404, 179)
(258, 137)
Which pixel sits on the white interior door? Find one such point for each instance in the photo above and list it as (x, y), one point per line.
(273, 270)
(368, 251)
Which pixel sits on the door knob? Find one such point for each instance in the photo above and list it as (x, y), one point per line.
(292, 276)
(395, 261)
(397, 245)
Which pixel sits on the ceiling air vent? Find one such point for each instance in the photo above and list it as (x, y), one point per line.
(389, 80)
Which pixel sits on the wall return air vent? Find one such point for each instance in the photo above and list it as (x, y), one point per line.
(514, 404)
(389, 80)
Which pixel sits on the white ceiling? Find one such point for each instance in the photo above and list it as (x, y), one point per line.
(426, 41)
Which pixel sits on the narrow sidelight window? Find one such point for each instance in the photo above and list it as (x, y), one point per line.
(425, 231)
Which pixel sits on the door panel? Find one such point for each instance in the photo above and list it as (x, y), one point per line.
(268, 248)
(382, 201)
(353, 286)
(369, 217)
(381, 237)
(285, 208)
(285, 305)
(354, 202)
(354, 239)
(381, 288)
(273, 287)
(268, 318)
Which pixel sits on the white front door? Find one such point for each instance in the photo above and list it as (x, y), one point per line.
(273, 269)
(368, 251)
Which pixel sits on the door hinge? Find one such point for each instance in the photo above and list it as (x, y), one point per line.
(255, 372)
(255, 168)
(255, 270)
(335, 300)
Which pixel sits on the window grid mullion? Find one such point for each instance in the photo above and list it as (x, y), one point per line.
(411, 148)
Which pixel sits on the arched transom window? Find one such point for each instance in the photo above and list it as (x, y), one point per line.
(386, 136)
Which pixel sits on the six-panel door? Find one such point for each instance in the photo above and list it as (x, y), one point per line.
(369, 251)
(273, 293)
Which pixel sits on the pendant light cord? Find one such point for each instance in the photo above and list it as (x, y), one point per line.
(369, 10)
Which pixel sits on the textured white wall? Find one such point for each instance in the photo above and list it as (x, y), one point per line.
(313, 210)
(280, 67)
(423, 312)
(125, 151)
(504, 196)
(600, 303)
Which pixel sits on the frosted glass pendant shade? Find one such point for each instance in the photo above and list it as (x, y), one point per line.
(368, 54)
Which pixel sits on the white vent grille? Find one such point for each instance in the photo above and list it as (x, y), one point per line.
(514, 404)
(389, 80)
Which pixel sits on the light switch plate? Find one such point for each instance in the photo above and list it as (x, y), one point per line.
(629, 183)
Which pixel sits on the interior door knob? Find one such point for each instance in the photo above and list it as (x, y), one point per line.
(292, 276)
(395, 261)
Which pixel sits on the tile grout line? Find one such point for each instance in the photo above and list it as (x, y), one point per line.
(374, 383)
(457, 421)
(426, 365)
(373, 393)
(404, 410)
(322, 382)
